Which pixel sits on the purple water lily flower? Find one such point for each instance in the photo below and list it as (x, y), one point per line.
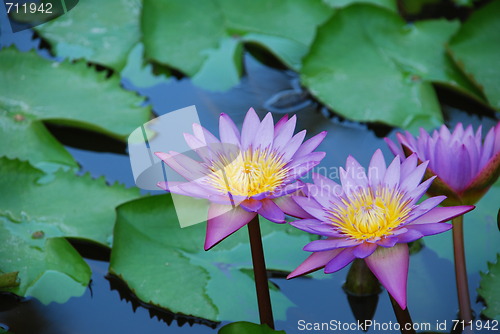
(245, 174)
(465, 165)
(371, 217)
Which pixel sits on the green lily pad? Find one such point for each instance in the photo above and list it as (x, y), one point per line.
(166, 266)
(102, 32)
(367, 64)
(489, 289)
(28, 139)
(8, 280)
(60, 204)
(139, 74)
(243, 327)
(52, 271)
(480, 228)
(476, 49)
(67, 93)
(206, 36)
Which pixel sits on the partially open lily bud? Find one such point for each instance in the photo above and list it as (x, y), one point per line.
(465, 165)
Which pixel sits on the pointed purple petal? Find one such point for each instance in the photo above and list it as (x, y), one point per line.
(364, 250)
(487, 151)
(264, 135)
(426, 206)
(430, 229)
(340, 261)
(392, 174)
(271, 211)
(283, 137)
(395, 148)
(293, 145)
(224, 220)
(310, 145)
(442, 214)
(204, 135)
(311, 206)
(390, 266)
(279, 125)
(356, 171)
(409, 236)
(286, 190)
(329, 244)
(408, 166)
(228, 131)
(387, 241)
(377, 168)
(173, 187)
(290, 207)
(314, 226)
(412, 180)
(299, 171)
(251, 205)
(417, 193)
(314, 262)
(186, 167)
(326, 185)
(250, 125)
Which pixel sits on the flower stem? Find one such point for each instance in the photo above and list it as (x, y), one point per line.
(461, 270)
(403, 317)
(260, 273)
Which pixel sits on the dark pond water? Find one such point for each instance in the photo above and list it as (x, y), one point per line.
(431, 296)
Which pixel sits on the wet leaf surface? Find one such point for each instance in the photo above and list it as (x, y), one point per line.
(476, 47)
(367, 64)
(204, 39)
(166, 266)
(77, 95)
(60, 204)
(489, 290)
(102, 32)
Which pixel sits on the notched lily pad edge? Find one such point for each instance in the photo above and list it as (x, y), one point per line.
(117, 283)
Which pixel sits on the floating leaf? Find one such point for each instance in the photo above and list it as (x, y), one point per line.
(9, 280)
(489, 289)
(52, 271)
(61, 204)
(166, 266)
(36, 89)
(243, 327)
(28, 139)
(476, 48)
(66, 93)
(367, 64)
(203, 38)
(141, 75)
(102, 32)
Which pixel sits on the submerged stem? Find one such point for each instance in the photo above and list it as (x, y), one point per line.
(461, 270)
(403, 317)
(260, 273)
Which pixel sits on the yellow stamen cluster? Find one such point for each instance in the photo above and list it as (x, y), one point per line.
(370, 214)
(248, 173)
